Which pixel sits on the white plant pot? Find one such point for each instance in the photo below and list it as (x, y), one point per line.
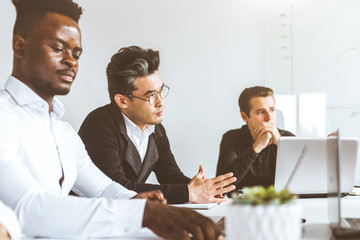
(260, 222)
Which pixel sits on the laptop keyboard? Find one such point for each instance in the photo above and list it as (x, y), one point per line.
(354, 222)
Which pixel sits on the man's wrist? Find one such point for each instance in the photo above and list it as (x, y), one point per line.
(191, 191)
(149, 209)
(256, 148)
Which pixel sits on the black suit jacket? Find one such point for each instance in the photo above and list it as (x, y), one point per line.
(250, 168)
(104, 134)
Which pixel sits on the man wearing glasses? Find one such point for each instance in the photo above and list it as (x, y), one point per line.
(127, 141)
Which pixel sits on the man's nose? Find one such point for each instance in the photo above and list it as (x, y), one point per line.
(69, 60)
(268, 116)
(159, 101)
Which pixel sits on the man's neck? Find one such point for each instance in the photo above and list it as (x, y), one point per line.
(48, 99)
(142, 127)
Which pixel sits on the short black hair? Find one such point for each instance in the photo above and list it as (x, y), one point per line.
(249, 93)
(27, 11)
(128, 64)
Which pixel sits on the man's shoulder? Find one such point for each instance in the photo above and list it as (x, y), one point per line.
(285, 132)
(234, 133)
(100, 112)
(104, 119)
(4, 99)
(100, 115)
(8, 106)
(159, 131)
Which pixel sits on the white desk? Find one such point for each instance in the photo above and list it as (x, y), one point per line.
(314, 210)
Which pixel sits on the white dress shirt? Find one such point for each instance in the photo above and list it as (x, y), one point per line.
(36, 148)
(9, 220)
(138, 138)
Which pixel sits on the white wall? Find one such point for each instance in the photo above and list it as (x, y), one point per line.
(210, 51)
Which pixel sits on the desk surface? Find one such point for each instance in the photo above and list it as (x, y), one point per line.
(314, 210)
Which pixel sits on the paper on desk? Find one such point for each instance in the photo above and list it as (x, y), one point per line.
(197, 206)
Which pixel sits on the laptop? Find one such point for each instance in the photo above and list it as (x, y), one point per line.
(310, 179)
(344, 228)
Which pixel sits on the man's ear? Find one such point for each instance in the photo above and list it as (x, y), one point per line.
(18, 46)
(244, 116)
(121, 100)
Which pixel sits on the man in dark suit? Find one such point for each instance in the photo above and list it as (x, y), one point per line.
(250, 152)
(127, 141)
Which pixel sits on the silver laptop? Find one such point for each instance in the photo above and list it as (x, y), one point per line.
(310, 179)
(344, 228)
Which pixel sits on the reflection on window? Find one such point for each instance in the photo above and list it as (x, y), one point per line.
(286, 112)
(303, 115)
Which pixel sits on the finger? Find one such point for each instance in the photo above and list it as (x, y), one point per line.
(225, 190)
(258, 130)
(192, 226)
(200, 173)
(220, 237)
(177, 233)
(159, 195)
(209, 229)
(224, 183)
(264, 130)
(259, 127)
(221, 197)
(206, 226)
(218, 200)
(182, 235)
(197, 232)
(221, 177)
(202, 170)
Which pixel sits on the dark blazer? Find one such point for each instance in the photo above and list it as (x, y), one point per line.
(104, 135)
(250, 168)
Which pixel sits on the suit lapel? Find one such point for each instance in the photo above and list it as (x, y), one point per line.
(131, 155)
(150, 159)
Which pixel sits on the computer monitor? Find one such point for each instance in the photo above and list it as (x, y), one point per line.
(310, 178)
(342, 228)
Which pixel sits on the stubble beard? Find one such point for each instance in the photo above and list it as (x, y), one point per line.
(48, 87)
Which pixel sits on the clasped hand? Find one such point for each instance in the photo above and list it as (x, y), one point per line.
(152, 196)
(267, 134)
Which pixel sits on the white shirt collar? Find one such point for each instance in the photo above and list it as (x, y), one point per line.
(132, 129)
(24, 95)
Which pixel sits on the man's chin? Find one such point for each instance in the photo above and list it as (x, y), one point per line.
(62, 91)
(158, 120)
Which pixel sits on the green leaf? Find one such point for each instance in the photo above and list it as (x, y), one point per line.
(260, 195)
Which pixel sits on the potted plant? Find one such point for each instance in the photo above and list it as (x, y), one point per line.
(262, 213)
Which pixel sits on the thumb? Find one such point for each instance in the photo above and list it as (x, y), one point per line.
(201, 172)
(159, 195)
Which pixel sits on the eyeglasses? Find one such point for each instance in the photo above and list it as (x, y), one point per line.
(153, 96)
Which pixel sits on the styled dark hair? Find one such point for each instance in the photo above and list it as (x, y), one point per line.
(29, 11)
(249, 93)
(128, 64)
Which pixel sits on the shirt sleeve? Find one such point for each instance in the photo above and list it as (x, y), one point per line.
(47, 214)
(9, 220)
(91, 182)
(233, 160)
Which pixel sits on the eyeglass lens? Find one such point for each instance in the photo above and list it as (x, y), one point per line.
(163, 94)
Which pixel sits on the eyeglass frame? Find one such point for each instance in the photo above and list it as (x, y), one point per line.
(158, 93)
